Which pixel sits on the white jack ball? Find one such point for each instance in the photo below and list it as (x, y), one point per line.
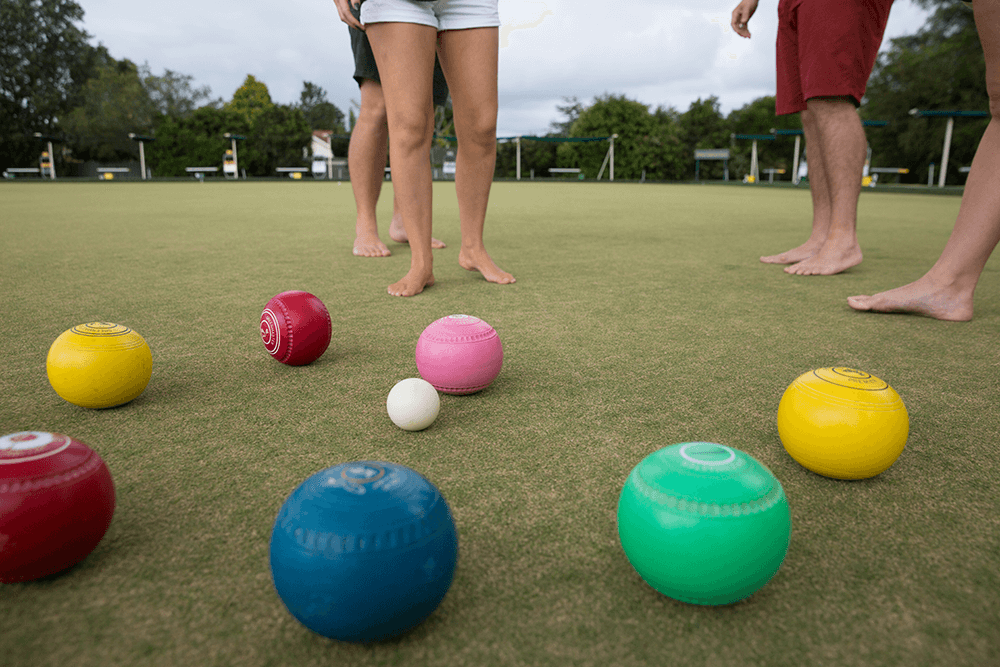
(413, 404)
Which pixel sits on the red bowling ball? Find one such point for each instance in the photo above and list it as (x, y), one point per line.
(295, 327)
(56, 503)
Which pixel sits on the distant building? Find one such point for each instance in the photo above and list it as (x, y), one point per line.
(321, 144)
(324, 163)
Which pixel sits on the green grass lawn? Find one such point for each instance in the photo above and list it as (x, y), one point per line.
(641, 317)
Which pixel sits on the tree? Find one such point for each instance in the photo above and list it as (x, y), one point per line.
(251, 99)
(194, 140)
(571, 110)
(941, 67)
(278, 137)
(320, 113)
(536, 154)
(703, 126)
(44, 61)
(646, 142)
(173, 94)
(114, 103)
(758, 117)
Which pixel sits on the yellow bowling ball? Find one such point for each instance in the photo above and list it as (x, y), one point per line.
(99, 365)
(843, 423)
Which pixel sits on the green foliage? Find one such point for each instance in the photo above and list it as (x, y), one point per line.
(940, 68)
(173, 94)
(251, 99)
(115, 102)
(537, 156)
(661, 142)
(571, 111)
(703, 126)
(278, 137)
(320, 113)
(194, 140)
(644, 142)
(44, 62)
(758, 117)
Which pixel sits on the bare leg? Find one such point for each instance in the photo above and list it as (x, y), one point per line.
(469, 61)
(366, 161)
(404, 53)
(945, 292)
(842, 143)
(819, 188)
(397, 231)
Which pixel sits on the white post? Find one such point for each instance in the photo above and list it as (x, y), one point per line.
(795, 162)
(754, 172)
(517, 140)
(236, 168)
(142, 160)
(613, 137)
(947, 149)
(52, 161)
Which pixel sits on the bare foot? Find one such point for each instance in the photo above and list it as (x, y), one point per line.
(479, 260)
(413, 283)
(369, 245)
(831, 259)
(397, 232)
(923, 297)
(795, 255)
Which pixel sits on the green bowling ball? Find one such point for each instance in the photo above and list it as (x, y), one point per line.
(704, 523)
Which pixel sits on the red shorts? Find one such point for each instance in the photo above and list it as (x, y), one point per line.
(827, 48)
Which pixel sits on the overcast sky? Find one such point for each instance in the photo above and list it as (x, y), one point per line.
(659, 52)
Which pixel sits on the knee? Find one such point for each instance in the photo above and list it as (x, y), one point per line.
(480, 130)
(372, 103)
(373, 113)
(995, 104)
(411, 130)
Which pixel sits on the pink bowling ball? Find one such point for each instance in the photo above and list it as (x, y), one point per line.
(459, 354)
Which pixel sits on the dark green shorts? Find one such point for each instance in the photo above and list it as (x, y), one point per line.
(365, 68)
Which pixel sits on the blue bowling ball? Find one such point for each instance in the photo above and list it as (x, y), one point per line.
(363, 551)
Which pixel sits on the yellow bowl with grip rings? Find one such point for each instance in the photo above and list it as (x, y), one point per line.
(843, 423)
(99, 365)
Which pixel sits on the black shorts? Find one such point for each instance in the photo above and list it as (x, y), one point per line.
(365, 68)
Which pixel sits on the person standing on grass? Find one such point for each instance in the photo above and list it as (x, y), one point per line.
(945, 291)
(367, 152)
(826, 50)
(405, 35)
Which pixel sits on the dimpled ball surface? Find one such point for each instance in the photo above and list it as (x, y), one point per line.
(704, 523)
(843, 423)
(363, 551)
(99, 365)
(413, 404)
(295, 328)
(56, 503)
(459, 354)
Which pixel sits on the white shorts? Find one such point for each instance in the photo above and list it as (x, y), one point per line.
(440, 14)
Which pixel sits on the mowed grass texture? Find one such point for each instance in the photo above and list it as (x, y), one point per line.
(641, 318)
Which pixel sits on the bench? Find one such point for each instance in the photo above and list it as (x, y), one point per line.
(12, 172)
(199, 172)
(293, 172)
(875, 171)
(566, 170)
(771, 172)
(108, 173)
